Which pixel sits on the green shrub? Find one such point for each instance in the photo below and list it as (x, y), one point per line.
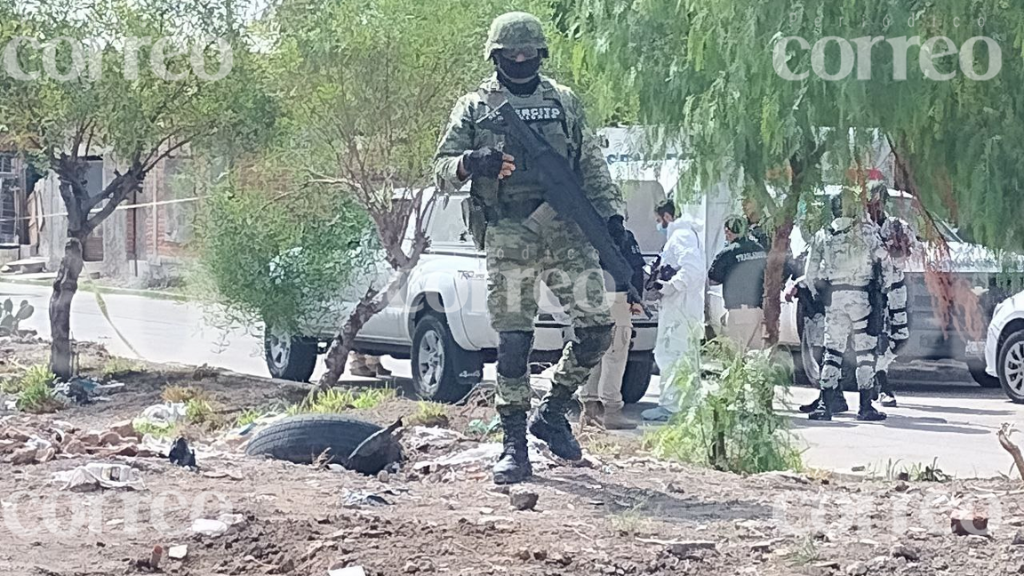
(728, 419)
(373, 397)
(34, 390)
(117, 366)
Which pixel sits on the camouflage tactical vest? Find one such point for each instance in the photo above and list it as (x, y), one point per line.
(517, 195)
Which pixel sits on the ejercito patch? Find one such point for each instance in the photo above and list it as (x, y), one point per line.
(539, 113)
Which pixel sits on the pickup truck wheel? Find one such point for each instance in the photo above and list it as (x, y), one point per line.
(434, 358)
(289, 357)
(977, 370)
(1011, 367)
(636, 379)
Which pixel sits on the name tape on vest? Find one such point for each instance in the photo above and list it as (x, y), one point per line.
(539, 113)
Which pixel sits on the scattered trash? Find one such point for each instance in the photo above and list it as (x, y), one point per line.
(357, 499)
(177, 552)
(163, 415)
(425, 439)
(84, 390)
(350, 571)
(182, 455)
(968, 522)
(231, 519)
(151, 563)
(207, 527)
(523, 499)
(484, 456)
(907, 552)
(98, 475)
(479, 429)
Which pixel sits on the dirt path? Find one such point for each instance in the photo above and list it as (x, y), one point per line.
(622, 513)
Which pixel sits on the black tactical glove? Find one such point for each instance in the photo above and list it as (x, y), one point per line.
(617, 228)
(485, 162)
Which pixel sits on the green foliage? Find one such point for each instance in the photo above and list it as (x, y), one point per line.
(153, 429)
(430, 414)
(184, 394)
(373, 397)
(35, 375)
(730, 405)
(34, 390)
(132, 116)
(272, 251)
(704, 69)
(335, 400)
(248, 416)
(198, 411)
(117, 366)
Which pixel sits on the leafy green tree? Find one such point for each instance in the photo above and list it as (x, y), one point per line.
(712, 71)
(133, 81)
(367, 86)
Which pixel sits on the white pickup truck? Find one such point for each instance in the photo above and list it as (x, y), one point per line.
(439, 320)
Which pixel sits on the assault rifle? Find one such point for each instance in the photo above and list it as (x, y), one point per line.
(564, 192)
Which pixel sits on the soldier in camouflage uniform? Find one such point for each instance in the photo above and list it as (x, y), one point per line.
(847, 256)
(505, 191)
(896, 237)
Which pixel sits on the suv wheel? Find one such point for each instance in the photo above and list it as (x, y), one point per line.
(289, 357)
(977, 370)
(637, 378)
(435, 358)
(1011, 366)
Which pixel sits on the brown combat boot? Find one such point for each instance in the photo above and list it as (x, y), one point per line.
(615, 420)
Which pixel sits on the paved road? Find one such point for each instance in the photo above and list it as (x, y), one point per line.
(943, 414)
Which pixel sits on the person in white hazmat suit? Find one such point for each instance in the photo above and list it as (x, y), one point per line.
(680, 288)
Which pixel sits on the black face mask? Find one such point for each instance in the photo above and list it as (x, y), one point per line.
(509, 71)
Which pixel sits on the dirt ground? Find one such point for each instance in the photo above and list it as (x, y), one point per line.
(621, 512)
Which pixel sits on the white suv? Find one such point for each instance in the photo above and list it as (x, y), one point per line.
(440, 322)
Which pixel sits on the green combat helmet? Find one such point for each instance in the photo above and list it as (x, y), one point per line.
(515, 30)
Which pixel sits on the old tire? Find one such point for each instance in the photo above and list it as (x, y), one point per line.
(435, 358)
(637, 378)
(302, 439)
(1010, 366)
(289, 357)
(977, 370)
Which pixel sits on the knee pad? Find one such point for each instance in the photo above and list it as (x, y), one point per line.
(514, 353)
(591, 345)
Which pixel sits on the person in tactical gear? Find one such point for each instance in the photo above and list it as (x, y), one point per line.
(739, 268)
(846, 255)
(505, 191)
(897, 240)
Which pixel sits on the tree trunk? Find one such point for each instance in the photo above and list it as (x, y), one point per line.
(337, 354)
(64, 289)
(773, 280)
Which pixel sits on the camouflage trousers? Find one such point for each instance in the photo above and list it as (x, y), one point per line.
(520, 266)
(848, 313)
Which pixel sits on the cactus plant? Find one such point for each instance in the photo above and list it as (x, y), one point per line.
(9, 319)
